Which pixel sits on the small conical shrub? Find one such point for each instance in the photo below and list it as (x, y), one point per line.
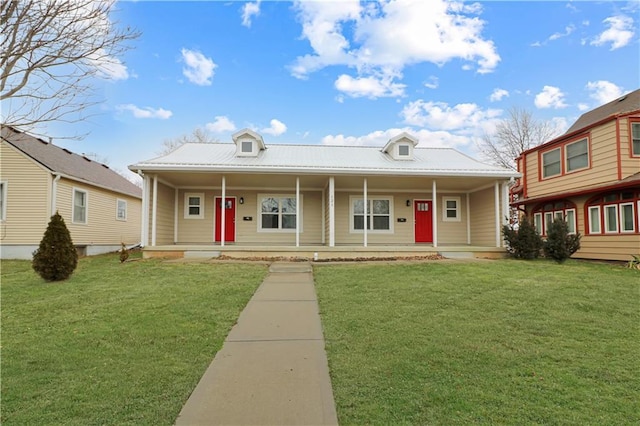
(56, 257)
(524, 242)
(560, 245)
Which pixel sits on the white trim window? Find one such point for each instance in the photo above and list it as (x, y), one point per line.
(577, 155)
(611, 218)
(80, 206)
(379, 217)
(246, 147)
(635, 139)
(545, 214)
(551, 163)
(627, 217)
(194, 205)
(278, 213)
(594, 220)
(121, 209)
(537, 222)
(3, 201)
(451, 209)
(403, 150)
(570, 218)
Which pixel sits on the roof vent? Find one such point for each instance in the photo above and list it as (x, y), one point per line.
(105, 166)
(86, 158)
(43, 141)
(622, 98)
(66, 150)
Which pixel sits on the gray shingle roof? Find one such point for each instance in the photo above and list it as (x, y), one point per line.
(60, 160)
(321, 159)
(627, 103)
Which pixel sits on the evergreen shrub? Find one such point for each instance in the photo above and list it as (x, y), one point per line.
(56, 258)
(560, 245)
(523, 242)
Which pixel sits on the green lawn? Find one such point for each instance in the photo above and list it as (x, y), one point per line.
(116, 343)
(494, 342)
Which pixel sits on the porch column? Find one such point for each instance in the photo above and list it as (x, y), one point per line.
(496, 196)
(297, 211)
(154, 210)
(223, 211)
(434, 216)
(332, 212)
(324, 215)
(366, 212)
(505, 203)
(468, 221)
(144, 234)
(175, 217)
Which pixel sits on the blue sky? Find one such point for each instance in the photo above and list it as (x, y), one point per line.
(355, 73)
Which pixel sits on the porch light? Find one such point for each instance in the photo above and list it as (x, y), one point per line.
(241, 200)
(408, 203)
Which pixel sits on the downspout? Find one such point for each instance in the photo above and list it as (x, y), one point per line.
(54, 192)
(144, 222)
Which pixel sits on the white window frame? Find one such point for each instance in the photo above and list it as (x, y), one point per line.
(242, 146)
(566, 155)
(3, 208)
(445, 209)
(571, 224)
(537, 222)
(118, 201)
(633, 218)
(544, 175)
(404, 145)
(187, 214)
(548, 220)
(606, 219)
(598, 217)
(73, 206)
(280, 230)
(371, 199)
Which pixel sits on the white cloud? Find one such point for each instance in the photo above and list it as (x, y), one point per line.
(248, 11)
(441, 116)
(604, 91)
(567, 31)
(498, 94)
(426, 138)
(619, 33)
(380, 39)
(198, 68)
(550, 97)
(108, 67)
(221, 124)
(432, 82)
(370, 87)
(276, 128)
(146, 112)
(583, 107)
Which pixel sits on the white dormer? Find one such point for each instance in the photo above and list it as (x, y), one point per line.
(401, 146)
(248, 143)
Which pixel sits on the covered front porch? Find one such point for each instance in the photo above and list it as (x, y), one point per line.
(268, 215)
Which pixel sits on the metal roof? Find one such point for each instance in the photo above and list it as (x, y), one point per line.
(65, 162)
(220, 157)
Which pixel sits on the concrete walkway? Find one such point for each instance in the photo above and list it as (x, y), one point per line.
(272, 368)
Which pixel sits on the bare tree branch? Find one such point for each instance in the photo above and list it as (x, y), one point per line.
(198, 135)
(50, 53)
(513, 135)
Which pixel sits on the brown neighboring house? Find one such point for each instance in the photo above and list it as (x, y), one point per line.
(590, 176)
(101, 208)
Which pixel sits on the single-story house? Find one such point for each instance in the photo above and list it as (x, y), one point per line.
(101, 208)
(319, 200)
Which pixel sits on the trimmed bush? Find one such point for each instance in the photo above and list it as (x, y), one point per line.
(56, 257)
(523, 242)
(560, 245)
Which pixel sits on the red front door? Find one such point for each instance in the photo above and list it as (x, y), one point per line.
(423, 221)
(229, 219)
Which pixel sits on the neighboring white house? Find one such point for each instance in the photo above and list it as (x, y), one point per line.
(101, 208)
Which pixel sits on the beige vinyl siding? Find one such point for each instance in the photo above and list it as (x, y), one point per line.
(629, 164)
(608, 247)
(101, 227)
(28, 198)
(603, 160)
(196, 230)
(327, 224)
(483, 217)
(452, 232)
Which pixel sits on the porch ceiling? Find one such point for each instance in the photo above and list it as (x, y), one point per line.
(281, 181)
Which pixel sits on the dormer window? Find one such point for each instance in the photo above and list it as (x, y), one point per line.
(248, 143)
(401, 147)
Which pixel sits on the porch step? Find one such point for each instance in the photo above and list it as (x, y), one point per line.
(198, 254)
(457, 254)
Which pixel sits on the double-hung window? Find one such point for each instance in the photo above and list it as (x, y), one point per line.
(278, 213)
(545, 214)
(635, 139)
(615, 212)
(577, 155)
(551, 164)
(377, 215)
(451, 209)
(121, 209)
(79, 206)
(193, 205)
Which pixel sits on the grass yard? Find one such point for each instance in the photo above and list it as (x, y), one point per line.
(117, 343)
(496, 342)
